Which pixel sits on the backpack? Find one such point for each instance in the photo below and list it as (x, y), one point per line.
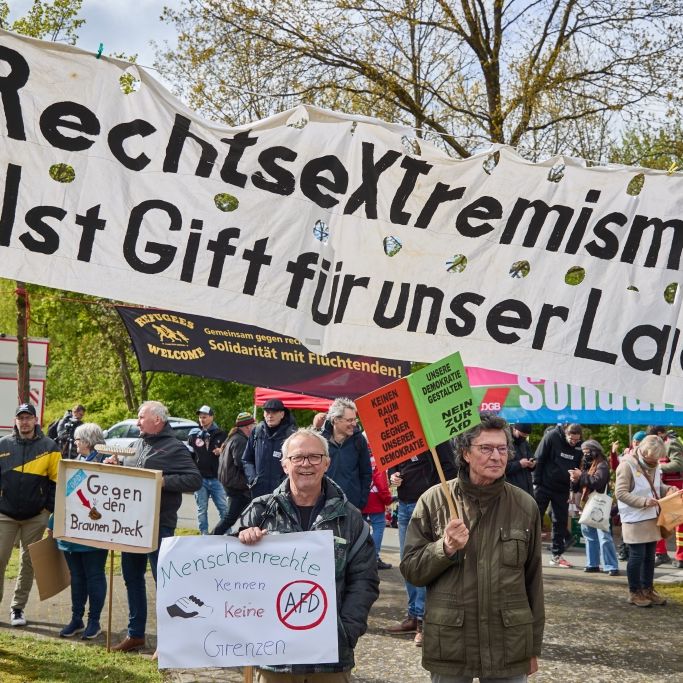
(52, 430)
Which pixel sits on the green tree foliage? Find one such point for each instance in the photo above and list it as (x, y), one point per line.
(546, 76)
(56, 21)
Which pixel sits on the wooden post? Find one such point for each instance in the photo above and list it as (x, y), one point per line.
(111, 592)
(23, 376)
(248, 674)
(444, 486)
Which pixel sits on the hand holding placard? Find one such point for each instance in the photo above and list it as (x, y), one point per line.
(413, 414)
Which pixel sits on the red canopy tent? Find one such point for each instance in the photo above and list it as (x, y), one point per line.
(291, 400)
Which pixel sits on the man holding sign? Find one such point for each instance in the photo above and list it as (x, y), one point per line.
(484, 613)
(309, 501)
(158, 449)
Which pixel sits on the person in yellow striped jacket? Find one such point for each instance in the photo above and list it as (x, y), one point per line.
(28, 476)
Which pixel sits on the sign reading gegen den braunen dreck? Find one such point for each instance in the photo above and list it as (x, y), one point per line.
(108, 506)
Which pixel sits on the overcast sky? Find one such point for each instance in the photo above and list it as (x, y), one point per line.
(124, 26)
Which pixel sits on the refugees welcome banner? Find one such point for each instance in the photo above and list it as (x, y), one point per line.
(342, 231)
(206, 347)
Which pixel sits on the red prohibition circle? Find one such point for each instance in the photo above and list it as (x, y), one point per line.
(282, 617)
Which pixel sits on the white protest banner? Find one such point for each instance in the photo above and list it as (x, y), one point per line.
(342, 231)
(221, 603)
(108, 506)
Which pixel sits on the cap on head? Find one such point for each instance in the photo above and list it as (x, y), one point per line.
(592, 445)
(244, 419)
(273, 404)
(639, 436)
(206, 410)
(25, 408)
(523, 428)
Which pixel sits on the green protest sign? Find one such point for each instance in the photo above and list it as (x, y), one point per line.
(443, 399)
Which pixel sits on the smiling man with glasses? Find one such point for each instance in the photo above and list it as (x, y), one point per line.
(308, 500)
(484, 613)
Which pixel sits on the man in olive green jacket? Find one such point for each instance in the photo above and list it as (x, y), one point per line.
(484, 613)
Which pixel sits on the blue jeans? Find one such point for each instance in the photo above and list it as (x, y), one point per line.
(640, 568)
(378, 524)
(211, 488)
(598, 540)
(133, 568)
(416, 594)
(88, 582)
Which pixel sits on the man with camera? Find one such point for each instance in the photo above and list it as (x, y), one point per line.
(65, 431)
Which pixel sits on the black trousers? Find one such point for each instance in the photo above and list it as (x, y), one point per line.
(236, 506)
(559, 507)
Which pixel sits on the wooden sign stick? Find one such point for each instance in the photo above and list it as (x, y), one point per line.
(248, 674)
(444, 486)
(111, 591)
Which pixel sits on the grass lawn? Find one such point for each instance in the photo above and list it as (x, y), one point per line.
(45, 660)
(674, 592)
(48, 660)
(13, 564)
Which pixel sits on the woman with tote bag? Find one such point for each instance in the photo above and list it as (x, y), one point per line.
(639, 486)
(594, 477)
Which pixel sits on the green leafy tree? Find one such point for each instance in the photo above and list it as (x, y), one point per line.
(56, 21)
(545, 76)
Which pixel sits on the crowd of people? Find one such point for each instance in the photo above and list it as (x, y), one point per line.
(461, 572)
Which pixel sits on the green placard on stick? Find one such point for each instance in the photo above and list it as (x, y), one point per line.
(443, 399)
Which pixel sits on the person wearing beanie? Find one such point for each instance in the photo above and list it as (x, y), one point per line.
(231, 471)
(521, 461)
(262, 458)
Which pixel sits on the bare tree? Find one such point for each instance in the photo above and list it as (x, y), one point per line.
(538, 75)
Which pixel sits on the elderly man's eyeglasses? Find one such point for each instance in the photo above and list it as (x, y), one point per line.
(487, 449)
(313, 458)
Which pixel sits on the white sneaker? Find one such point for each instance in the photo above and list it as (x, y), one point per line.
(559, 561)
(17, 617)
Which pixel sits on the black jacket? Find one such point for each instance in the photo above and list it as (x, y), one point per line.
(162, 451)
(419, 473)
(350, 466)
(262, 458)
(516, 474)
(203, 442)
(230, 470)
(356, 579)
(554, 458)
(28, 474)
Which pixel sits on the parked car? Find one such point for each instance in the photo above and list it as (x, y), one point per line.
(126, 434)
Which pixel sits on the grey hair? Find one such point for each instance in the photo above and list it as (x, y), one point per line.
(305, 431)
(652, 445)
(339, 405)
(463, 442)
(156, 408)
(90, 433)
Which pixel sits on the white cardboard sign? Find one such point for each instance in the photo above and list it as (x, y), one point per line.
(108, 506)
(221, 603)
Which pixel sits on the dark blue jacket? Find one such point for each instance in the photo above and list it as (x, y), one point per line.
(350, 466)
(262, 458)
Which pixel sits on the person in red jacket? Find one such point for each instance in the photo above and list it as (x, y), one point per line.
(379, 498)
